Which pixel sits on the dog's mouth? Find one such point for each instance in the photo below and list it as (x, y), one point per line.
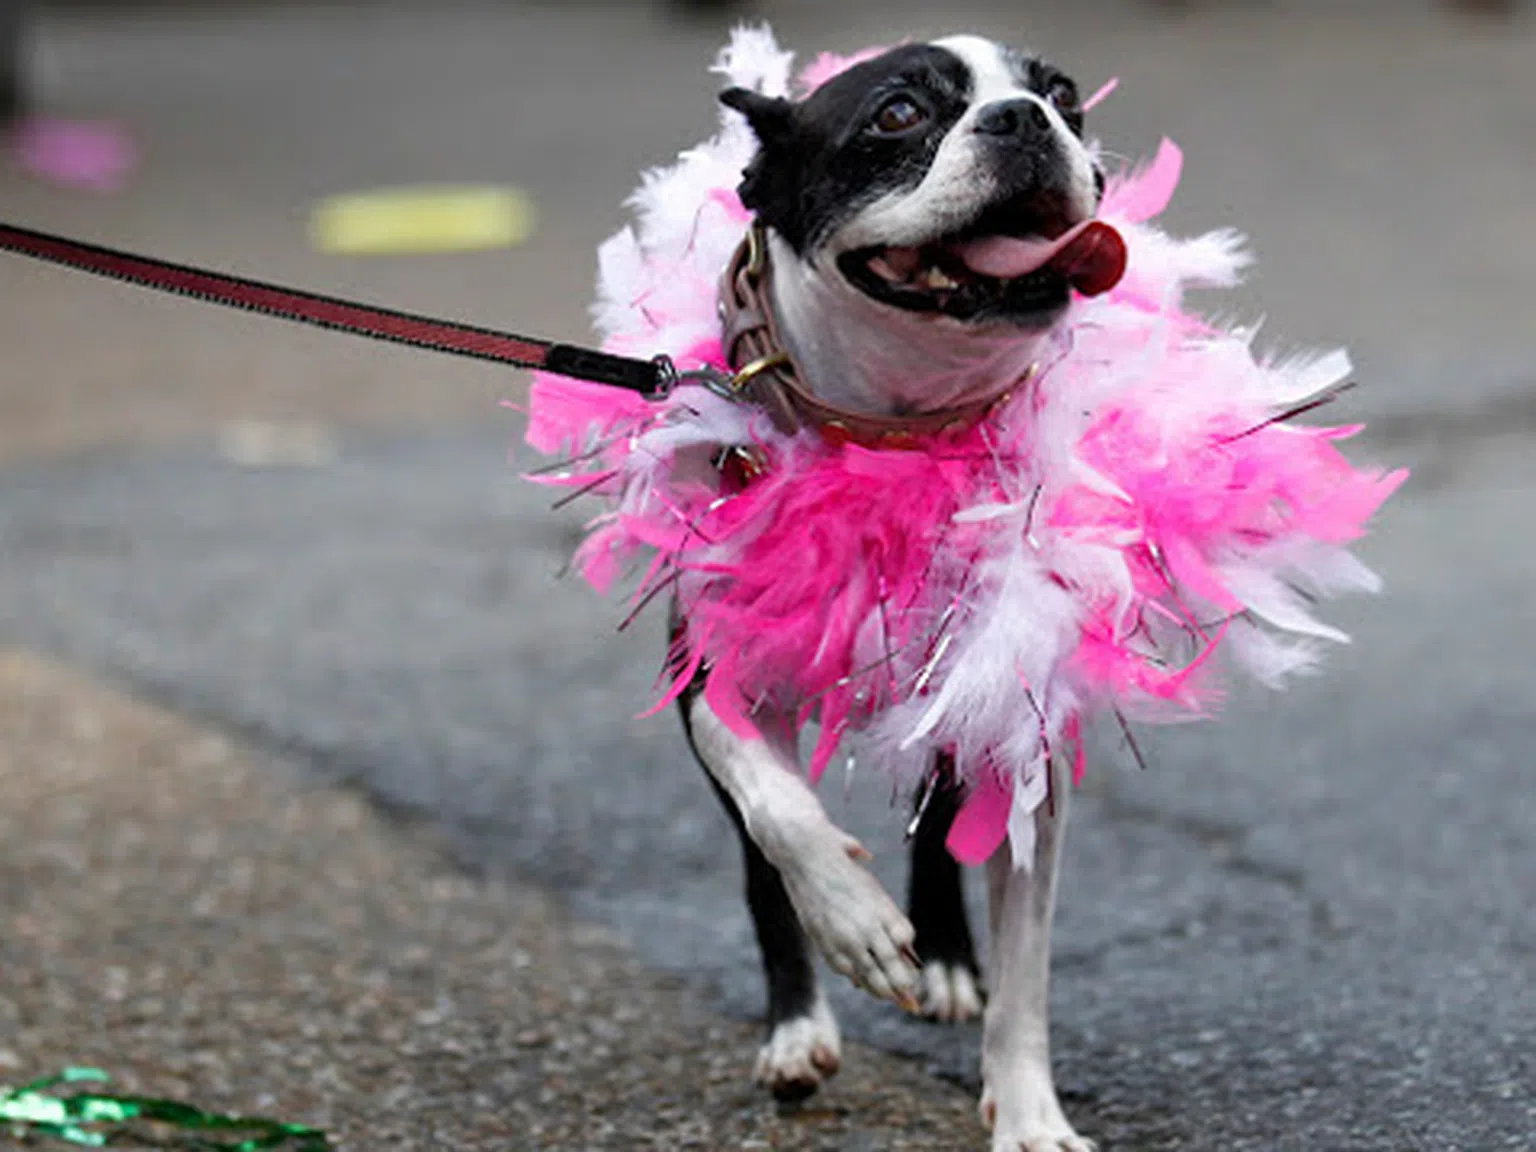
(977, 276)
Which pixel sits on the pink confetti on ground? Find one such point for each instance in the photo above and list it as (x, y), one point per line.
(93, 156)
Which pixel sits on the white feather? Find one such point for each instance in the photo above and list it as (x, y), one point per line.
(753, 59)
(1266, 595)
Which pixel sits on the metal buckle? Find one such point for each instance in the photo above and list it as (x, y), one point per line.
(757, 252)
(755, 368)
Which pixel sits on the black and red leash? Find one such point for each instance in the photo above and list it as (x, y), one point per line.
(651, 378)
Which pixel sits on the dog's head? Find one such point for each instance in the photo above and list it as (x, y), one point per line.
(936, 192)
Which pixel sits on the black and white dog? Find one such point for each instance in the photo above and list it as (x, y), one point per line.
(893, 197)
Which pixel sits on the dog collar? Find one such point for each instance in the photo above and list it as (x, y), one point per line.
(765, 374)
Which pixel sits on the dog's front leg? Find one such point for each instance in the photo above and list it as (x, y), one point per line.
(1018, 1099)
(842, 907)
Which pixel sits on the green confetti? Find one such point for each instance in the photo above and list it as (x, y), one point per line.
(96, 1119)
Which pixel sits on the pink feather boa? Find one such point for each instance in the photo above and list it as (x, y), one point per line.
(1139, 510)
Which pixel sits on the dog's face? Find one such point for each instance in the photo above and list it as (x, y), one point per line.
(947, 180)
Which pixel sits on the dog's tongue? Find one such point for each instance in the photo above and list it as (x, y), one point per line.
(1091, 256)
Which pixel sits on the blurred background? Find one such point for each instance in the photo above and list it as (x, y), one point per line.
(1309, 926)
(1378, 152)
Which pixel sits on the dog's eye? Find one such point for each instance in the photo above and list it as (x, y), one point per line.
(897, 115)
(1063, 94)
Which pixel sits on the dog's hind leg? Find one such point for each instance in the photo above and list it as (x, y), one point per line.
(950, 987)
(1018, 1099)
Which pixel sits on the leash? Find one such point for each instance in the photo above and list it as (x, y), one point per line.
(762, 373)
(652, 378)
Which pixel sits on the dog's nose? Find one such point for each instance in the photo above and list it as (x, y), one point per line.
(1022, 117)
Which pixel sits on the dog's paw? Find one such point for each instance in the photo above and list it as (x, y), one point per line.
(800, 1054)
(848, 916)
(1030, 1120)
(949, 992)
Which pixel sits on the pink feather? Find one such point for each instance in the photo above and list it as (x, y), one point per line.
(981, 825)
(829, 65)
(1140, 195)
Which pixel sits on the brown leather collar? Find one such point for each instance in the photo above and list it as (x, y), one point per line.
(766, 376)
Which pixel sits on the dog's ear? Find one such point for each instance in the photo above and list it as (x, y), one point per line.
(770, 185)
(772, 118)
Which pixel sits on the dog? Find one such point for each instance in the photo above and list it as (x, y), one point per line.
(906, 205)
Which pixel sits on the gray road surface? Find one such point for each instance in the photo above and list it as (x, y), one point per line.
(1309, 927)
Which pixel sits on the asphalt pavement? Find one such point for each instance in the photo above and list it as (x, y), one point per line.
(1308, 926)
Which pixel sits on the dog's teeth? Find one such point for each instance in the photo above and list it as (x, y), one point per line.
(882, 269)
(938, 278)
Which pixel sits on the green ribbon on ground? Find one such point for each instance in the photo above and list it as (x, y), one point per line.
(96, 1119)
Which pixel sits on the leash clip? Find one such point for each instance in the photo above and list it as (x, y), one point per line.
(722, 384)
(732, 385)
